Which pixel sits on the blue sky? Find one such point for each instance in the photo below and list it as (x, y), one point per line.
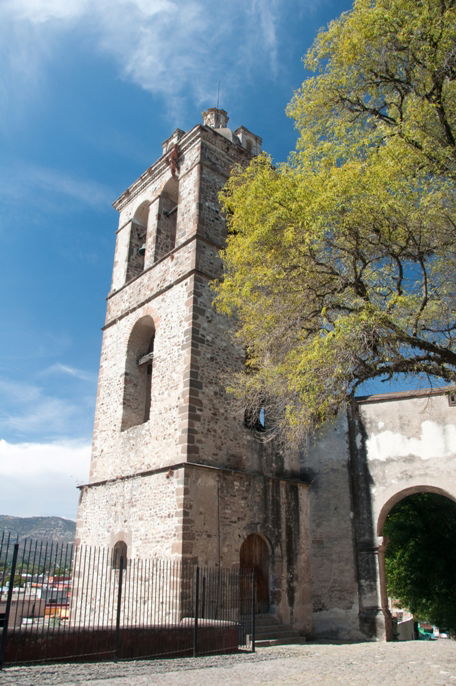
(88, 91)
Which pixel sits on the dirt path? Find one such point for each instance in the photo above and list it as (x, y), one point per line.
(373, 664)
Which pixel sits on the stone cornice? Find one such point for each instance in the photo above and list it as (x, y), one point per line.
(160, 291)
(155, 294)
(403, 395)
(155, 170)
(196, 465)
(161, 165)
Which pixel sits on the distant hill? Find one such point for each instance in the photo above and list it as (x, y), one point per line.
(54, 529)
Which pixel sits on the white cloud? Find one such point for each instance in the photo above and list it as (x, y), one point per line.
(67, 457)
(41, 478)
(32, 183)
(33, 412)
(41, 11)
(267, 13)
(175, 48)
(38, 414)
(66, 370)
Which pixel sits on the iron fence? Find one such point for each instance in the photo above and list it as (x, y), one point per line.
(65, 602)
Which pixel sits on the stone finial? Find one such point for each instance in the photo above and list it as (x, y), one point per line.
(215, 118)
(249, 140)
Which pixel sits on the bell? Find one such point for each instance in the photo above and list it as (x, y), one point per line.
(142, 249)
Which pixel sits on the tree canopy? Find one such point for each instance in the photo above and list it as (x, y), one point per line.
(420, 557)
(340, 264)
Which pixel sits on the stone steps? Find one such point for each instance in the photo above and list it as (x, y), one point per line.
(269, 631)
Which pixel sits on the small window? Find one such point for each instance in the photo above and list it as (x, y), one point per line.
(255, 419)
(452, 398)
(119, 555)
(262, 419)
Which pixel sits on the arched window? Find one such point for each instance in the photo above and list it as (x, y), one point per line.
(138, 374)
(119, 554)
(137, 248)
(167, 219)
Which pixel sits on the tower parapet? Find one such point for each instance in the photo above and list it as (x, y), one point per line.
(218, 119)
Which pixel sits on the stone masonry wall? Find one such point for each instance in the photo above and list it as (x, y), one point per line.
(157, 442)
(410, 443)
(333, 570)
(386, 448)
(144, 511)
(401, 444)
(222, 507)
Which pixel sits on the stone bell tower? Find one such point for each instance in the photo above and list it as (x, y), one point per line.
(175, 472)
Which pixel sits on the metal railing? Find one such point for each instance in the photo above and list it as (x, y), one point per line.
(65, 602)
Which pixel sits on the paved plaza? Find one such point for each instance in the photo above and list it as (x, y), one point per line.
(375, 664)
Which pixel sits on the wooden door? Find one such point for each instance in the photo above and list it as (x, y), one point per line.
(254, 555)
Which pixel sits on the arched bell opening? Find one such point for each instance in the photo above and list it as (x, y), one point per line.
(167, 219)
(137, 246)
(138, 374)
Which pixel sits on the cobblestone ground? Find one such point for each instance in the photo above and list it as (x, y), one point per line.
(374, 664)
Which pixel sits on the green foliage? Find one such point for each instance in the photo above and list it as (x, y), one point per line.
(340, 264)
(385, 76)
(421, 557)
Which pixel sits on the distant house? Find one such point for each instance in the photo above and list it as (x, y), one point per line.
(23, 608)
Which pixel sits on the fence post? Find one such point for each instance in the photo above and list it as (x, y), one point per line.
(195, 620)
(203, 598)
(119, 604)
(253, 609)
(8, 604)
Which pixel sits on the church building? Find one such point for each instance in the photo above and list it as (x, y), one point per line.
(177, 473)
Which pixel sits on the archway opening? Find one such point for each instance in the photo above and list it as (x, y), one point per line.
(138, 237)
(119, 555)
(138, 374)
(419, 560)
(254, 554)
(167, 219)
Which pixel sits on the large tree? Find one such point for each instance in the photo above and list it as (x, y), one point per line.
(421, 557)
(340, 265)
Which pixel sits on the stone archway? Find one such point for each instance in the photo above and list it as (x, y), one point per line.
(400, 495)
(254, 554)
(384, 512)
